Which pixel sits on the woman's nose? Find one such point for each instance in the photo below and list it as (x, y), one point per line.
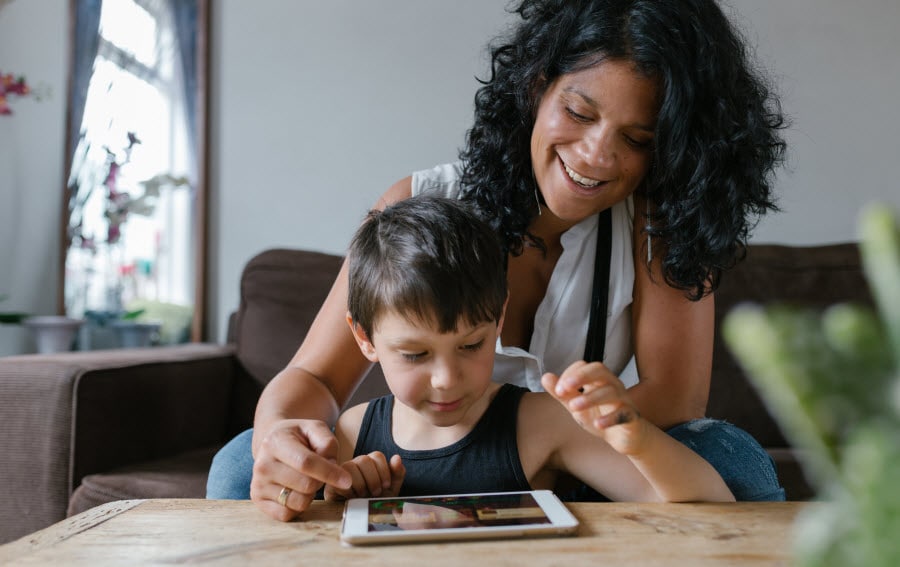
(598, 148)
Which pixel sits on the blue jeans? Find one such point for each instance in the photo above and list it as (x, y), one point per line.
(744, 465)
(740, 460)
(232, 469)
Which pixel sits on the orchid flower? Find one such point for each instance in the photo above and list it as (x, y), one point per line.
(11, 85)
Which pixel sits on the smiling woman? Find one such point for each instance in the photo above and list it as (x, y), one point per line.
(134, 232)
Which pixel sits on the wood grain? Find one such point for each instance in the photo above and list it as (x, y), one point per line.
(220, 532)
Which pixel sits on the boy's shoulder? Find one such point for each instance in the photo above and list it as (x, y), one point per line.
(352, 417)
(355, 412)
(347, 427)
(542, 411)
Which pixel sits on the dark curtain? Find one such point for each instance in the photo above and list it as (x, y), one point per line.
(185, 17)
(85, 41)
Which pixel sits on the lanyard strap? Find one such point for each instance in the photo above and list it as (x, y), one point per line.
(595, 343)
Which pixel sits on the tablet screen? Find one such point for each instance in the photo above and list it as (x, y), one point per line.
(440, 512)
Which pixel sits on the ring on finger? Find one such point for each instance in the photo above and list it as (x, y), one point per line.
(283, 495)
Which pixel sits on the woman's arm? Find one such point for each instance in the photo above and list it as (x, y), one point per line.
(673, 341)
(293, 445)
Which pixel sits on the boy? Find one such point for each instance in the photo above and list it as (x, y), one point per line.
(427, 296)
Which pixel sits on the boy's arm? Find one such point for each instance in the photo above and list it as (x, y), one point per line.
(677, 473)
(622, 455)
(662, 470)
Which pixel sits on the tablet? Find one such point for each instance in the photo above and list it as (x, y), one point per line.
(459, 516)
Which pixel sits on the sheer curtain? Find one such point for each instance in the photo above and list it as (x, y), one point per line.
(86, 39)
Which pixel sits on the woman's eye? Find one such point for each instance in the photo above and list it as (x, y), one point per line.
(639, 144)
(576, 116)
(474, 346)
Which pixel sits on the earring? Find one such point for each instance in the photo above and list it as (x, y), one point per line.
(537, 197)
(649, 240)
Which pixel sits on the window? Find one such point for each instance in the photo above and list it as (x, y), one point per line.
(129, 240)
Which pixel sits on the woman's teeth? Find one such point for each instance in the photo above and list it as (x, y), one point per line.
(583, 181)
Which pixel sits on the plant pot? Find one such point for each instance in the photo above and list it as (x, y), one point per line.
(52, 333)
(134, 334)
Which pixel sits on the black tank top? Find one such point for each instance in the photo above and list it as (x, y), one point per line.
(485, 460)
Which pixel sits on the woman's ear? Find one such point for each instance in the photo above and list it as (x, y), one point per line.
(362, 339)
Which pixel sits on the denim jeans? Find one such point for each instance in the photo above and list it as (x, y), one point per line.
(232, 469)
(744, 465)
(740, 460)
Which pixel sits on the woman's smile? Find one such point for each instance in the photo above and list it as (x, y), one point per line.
(582, 185)
(583, 181)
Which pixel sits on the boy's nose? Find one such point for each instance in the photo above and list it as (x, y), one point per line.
(444, 374)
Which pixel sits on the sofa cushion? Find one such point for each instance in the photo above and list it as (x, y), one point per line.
(181, 476)
(808, 277)
(281, 293)
(178, 402)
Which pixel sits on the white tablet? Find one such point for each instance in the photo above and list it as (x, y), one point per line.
(459, 516)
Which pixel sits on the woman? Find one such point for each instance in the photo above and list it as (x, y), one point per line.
(628, 134)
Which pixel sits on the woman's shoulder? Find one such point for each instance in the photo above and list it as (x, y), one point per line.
(441, 179)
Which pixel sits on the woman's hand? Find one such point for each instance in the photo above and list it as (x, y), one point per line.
(294, 459)
(373, 476)
(599, 402)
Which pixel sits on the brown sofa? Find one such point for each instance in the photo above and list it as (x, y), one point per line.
(81, 429)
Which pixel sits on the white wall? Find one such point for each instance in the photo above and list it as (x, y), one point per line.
(32, 40)
(321, 106)
(317, 107)
(838, 70)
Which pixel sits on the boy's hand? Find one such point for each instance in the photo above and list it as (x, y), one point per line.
(373, 475)
(599, 402)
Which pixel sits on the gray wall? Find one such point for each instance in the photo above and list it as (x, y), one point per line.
(32, 42)
(317, 107)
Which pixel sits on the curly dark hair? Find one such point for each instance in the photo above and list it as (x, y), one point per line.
(717, 139)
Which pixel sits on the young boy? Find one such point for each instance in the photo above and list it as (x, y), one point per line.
(427, 296)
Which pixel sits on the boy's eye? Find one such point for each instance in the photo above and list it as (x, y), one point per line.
(474, 346)
(412, 356)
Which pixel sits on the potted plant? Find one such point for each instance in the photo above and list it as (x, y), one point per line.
(10, 317)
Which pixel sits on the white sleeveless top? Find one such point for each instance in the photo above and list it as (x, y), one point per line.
(561, 320)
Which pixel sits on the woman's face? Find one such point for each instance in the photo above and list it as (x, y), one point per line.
(592, 138)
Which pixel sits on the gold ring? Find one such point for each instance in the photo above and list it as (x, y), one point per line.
(283, 495)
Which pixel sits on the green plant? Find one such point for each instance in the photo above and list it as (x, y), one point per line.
(832, 379)
(9, 317)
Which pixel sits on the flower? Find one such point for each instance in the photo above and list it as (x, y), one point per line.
(9, 86)
(119, 204)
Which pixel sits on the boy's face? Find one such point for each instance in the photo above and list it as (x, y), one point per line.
(442, 377)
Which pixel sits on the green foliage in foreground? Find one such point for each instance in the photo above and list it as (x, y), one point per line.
(832, 380)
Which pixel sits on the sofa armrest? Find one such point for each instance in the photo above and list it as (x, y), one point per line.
(70, 414)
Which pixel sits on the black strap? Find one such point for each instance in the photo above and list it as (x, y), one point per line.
(595, 343)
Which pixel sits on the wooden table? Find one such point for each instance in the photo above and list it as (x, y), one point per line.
(218, 532)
